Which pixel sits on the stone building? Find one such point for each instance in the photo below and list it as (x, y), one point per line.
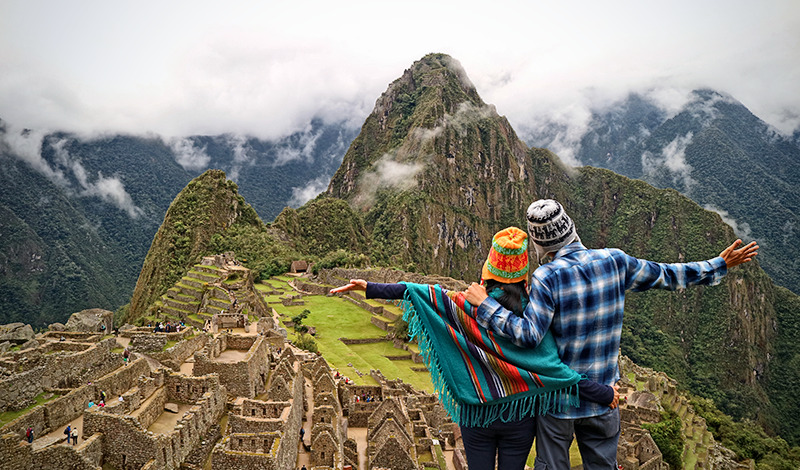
(242, 363)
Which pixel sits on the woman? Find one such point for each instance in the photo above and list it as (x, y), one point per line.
(489, 386)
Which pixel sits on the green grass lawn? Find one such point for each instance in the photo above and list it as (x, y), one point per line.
(335, 318)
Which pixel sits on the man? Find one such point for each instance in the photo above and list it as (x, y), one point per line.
(580, 296)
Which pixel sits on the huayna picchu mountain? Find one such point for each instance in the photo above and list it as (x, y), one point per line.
(435, 171)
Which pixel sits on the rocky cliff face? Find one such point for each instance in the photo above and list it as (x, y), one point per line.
(435, 172)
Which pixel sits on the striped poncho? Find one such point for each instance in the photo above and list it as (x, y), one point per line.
(480, 377)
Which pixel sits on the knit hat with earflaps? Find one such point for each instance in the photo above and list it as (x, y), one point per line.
(550, 227)
(508, 257)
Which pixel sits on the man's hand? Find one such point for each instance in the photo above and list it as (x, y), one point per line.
(734, 257)
(475, 294)
(355, 284)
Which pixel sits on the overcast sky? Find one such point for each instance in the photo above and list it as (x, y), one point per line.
(178, 68)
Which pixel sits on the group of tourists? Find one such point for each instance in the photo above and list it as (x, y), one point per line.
(520, 356)
(71, 433)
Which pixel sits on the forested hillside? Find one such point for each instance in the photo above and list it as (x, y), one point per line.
(715, 151)
(82, 213)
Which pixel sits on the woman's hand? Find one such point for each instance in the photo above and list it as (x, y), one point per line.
(615, 401)
(355, 284)
(475, 294)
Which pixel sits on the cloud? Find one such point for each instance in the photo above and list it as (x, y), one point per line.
(303, 194)
(188, 155)
(386, 173)
(27, 145)
(303, 148)
(742, 229)
(266, 70)
(672, 158)
(243, 154)
(108, 189)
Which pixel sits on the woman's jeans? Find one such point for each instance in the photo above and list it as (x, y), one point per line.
(510, 443)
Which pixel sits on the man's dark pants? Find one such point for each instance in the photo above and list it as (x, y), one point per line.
(597, 441)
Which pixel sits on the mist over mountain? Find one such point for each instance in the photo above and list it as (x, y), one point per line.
(93, 206)
(713, 150)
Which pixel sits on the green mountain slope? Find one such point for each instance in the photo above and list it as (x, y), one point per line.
(210, 204)
(435, 172)
(716, 152)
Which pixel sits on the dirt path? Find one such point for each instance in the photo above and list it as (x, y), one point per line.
(58, 436)
(303, 457)
(230, 356)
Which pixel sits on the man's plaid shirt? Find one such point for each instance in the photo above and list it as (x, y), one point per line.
(580, 296)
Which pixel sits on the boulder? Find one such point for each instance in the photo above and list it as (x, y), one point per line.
(16, 333)
(171, 407)
(91, 321)
(57, 327)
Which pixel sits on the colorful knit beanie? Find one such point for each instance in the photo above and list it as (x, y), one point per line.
(508, 257)
(550, 227)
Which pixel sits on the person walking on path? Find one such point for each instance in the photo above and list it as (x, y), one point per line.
(75, 436)
(29, 434)
(579, 297)
(68, 432)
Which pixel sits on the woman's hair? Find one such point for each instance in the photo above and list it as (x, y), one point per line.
(510, 295)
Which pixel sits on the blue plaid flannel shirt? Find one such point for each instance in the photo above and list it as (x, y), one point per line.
(580, 296)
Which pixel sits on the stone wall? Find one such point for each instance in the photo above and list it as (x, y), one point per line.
(244, 378)
(46, 370)
(19, 390)
(127, 442)
(177, 355)
(314, 289)
(229, 457)
(147, 342)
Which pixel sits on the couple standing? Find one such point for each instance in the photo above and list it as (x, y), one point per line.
(479, 346)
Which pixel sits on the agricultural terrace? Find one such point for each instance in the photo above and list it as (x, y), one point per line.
(333, 318)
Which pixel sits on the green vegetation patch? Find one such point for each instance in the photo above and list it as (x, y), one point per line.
(8, 416)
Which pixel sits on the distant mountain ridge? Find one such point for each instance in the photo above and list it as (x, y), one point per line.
(109, 195)
(715, 151)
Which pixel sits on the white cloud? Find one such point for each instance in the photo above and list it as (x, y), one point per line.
(303, 194)
(188, 155)
(673, 158)
(108, 189)
(266, 69)
(386, 173)
(742, 229)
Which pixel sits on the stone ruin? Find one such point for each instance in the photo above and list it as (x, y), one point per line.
(240, 401)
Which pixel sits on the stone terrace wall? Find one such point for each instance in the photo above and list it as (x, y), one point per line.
(177, 355)
(147, 342)
(227, 458)
(152, 408)
(19, 390)
(45, 371)
(339, 276)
